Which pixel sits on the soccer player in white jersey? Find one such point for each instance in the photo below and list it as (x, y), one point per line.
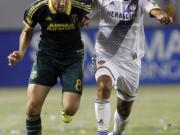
(119, 48)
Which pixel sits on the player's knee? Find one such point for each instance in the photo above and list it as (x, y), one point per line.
(70, 108)
(104, 92)
(33, 107)
(104, 87)
(69, 111)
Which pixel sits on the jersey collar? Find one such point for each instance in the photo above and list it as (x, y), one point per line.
(53, 11)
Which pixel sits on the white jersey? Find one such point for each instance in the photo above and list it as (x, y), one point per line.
(121, 28)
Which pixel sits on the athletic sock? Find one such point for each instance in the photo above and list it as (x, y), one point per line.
(119, 124)
(33, 124)
(103, 114)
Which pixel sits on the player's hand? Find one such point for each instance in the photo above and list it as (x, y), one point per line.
(14, 57)
(164, 18)
(84, 22)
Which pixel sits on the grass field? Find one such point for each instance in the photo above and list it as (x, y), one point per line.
(155, 112)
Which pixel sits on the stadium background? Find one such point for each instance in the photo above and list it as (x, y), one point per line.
(161, 63)
(160, 75)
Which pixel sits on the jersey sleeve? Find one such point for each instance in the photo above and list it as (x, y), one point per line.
(84, 5)
(148, 5)
(95, 8)
(30, 16)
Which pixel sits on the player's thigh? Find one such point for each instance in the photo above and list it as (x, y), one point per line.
(104, 67)
(44, 70)
(128, 81)
(72, 78)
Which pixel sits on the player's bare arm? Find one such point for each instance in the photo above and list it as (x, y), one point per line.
(161, 16)
(24, 40)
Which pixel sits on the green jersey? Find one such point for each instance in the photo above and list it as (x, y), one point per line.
(59, 31)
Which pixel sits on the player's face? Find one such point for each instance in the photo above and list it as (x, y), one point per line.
(60, 5)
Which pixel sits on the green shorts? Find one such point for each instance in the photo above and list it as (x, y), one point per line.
(47, 69)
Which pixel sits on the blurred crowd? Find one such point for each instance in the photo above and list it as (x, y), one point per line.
(13, 21)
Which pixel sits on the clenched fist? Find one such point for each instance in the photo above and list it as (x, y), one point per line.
(161, 16)
(14, 57)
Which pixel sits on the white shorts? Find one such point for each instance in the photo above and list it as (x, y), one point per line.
(124, 74)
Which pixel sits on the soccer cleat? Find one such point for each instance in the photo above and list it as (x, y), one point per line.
(66, 118)
(102, 132)
(111, 133)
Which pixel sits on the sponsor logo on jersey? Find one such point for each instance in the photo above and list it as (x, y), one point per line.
(60, 27)
(122, 16)
(128, 13)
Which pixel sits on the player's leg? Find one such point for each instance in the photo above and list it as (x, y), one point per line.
(72, 86)
(104, 74)
(127, 88)
(126, 94)
(102, 104)
(36, 95)
(43, 77)
(70, 103)
(121, 116)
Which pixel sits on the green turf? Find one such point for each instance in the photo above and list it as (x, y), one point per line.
(155, 109)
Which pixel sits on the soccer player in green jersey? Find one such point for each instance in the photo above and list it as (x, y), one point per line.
(60, 55)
